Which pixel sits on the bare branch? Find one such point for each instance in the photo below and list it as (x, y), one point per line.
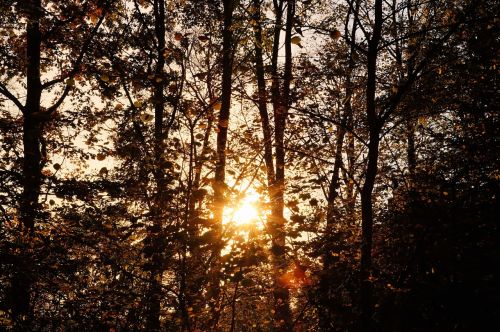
(11, 97)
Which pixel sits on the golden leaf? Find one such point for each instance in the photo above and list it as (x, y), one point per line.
(335, 34)
(145, 117)
(295, 40)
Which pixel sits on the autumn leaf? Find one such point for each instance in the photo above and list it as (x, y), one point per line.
(296, 40)
(335, 34)
(146, 117)
(178, 36)
(203, 38)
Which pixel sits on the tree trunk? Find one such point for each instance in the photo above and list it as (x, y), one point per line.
(220, 167)
(282, 312)
(326, 280)
(366, 305)
(367, 234)
(32, 125)
(262, 97)
(158, 212)
(275, 177)
(32, 163)
(222, 126)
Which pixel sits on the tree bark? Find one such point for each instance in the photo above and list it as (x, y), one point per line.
(366, 305)
(220, 167)
(326, 283)
(154, 295)
(32, 163)
(282, 313)
(34, 118)
(262, 97)
(276, 176)
(32, 125)
(222, 126)
(326, 280)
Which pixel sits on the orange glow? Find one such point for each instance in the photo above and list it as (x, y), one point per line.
(295, 277)
(245, 212)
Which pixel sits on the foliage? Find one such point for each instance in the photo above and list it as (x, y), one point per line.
(113, 117)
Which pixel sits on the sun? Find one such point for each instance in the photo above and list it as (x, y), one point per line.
(245, 212)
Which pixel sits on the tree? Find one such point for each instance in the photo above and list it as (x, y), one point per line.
(281, 101)
(272, 165)
(40, 40)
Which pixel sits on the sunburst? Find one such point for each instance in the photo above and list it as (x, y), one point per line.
(245, 212)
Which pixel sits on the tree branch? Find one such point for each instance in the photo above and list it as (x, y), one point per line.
(77, 63)
(11, 97)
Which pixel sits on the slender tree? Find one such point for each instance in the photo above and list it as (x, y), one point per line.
(222, 130)
(36, 117)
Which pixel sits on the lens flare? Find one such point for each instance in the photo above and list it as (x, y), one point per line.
(245, 212)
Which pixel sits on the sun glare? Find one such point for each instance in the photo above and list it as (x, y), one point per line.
(245, 212)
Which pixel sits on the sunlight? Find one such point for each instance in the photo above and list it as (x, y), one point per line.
(245, 212)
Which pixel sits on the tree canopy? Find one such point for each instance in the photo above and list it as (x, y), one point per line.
(251, 165)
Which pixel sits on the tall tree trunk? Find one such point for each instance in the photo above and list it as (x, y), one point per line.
(411, 121)
(32, 124)
(222, 126)
(275, 82)
(350, 146)
(158, 214)
(32, 163)
(367, 233)
(366, 305)
(275, 177)
(282, 312)
(34, 117)
(220, 167)
(326, 280)
(262, 96)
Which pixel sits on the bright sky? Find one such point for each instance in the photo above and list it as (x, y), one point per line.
(246, 211)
